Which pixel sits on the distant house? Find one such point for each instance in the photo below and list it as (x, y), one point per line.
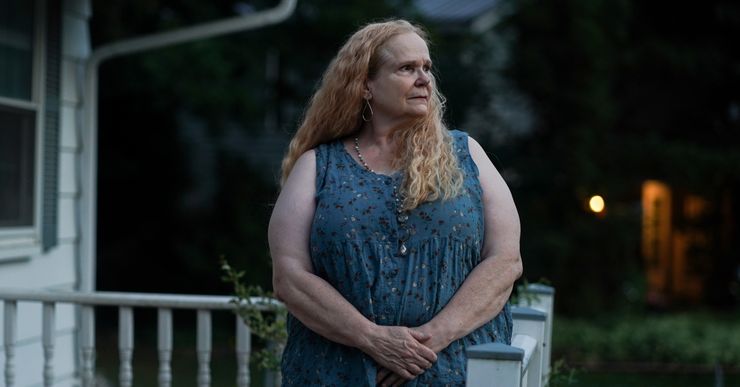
(43, 45)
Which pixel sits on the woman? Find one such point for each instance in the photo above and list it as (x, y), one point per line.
(395, 242)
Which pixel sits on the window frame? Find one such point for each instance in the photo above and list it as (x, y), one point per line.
(22, 242)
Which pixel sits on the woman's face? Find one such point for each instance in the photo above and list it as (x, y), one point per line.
(401, 88)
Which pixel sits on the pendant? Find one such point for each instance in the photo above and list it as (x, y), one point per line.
(402, 250)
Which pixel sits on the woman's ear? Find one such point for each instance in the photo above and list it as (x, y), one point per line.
(366, 93)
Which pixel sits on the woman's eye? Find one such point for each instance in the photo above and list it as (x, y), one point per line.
(407, 68)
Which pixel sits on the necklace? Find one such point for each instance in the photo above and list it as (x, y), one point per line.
(359, 155)
(402, 216)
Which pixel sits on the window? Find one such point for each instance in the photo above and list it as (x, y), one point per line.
(21, 122)
(16, 48)
(17, 165)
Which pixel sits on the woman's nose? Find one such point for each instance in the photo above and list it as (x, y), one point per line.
(423, 78)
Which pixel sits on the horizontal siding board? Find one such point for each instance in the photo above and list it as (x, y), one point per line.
(56, 267)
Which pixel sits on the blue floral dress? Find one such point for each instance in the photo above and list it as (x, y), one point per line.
(355, 246)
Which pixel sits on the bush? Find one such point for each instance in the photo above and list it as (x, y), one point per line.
(690, 338)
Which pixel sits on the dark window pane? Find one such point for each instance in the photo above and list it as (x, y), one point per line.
(16, 48)
(17, 165)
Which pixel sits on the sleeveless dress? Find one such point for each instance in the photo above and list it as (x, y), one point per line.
(354, 245)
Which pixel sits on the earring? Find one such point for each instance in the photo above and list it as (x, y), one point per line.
(364, 111)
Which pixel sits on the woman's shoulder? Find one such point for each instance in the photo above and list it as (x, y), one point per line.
(326, 154)
(326, 151)
(461, 141)
(305, 162)
(458, 134)
(468, 150)
(325, 147)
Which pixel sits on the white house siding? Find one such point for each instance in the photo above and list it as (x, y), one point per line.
(56, 268)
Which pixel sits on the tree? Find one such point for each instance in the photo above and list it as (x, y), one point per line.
(177, 186)
(620, 91)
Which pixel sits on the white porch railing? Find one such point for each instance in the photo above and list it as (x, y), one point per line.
(126, 302)
(526, 362)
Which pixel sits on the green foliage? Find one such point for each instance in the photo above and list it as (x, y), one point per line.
(698, 338)
(252, 304)
(522, 297)
(561, 374)
(616, 94)
(179, 180)
(570, 98)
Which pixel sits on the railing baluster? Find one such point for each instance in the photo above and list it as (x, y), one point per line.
(542, 300)
(531, 323)
(47, 338)
(11, 309)
(274, 378)
(87, 344)
(85, 303)
(494, 364)
(164, 346)
(126, 345)
(204, 348)
(243, 349)
(281, 316)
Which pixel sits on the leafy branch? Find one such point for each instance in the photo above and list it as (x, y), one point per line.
(264, 317)
(523, 297)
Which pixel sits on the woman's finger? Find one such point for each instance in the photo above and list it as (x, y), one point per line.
(425, 354)
(382, 374)
(403, 372)
(421, 336)
(395, 380)
(397, 349)
(415, 369)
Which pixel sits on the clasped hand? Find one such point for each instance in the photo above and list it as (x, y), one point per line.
(401, 353)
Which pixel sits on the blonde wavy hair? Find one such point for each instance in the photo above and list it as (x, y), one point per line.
(424, 152)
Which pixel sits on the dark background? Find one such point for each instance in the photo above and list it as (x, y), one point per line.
(570, 98)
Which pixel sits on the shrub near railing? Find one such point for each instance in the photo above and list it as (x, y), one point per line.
(701, 339)
(269, 327)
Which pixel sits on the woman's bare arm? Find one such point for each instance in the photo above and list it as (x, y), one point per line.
(485, 291)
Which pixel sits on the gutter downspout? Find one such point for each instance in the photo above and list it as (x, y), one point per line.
(89, 157)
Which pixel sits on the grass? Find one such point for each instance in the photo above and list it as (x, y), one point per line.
(623, 379)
